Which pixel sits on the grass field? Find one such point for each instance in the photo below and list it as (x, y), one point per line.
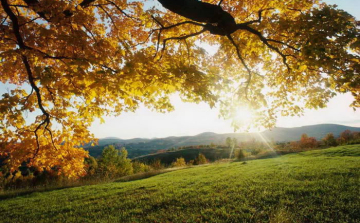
(315, 186)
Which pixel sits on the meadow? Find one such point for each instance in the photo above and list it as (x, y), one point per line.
(314, 186)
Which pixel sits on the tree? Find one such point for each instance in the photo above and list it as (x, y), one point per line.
(346, 136)
(139, 167)
(114, 163)
(200, 159)
(157, 165)
(91, 165)
(75, 61)
(229, 142)
(330, 140)
(239, 154)
(308, 142)
(179, 162)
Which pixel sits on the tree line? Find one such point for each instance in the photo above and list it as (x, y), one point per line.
(111, 165)
(253, 148)
(114, 163)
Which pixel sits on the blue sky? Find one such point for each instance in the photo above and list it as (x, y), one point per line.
(191, 119)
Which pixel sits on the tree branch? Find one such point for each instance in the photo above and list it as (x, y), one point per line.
(86, 3)
(20, 42)
(248, 82)
(266, 42)
(122, 11)
(184, 37)
(259, 17)
(218, 22)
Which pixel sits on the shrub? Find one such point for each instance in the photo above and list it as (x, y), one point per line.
(179, 162)
(91, 166)
(239, 154)
(201, 159)
(140, 167)
(308, 142)
(330, 140)
(157, 165)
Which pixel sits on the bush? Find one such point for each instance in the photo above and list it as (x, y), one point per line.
(308, 142)
(201, 159)
(157, 165)
(239, 154)
(179, 162)
(140, 167)
(330, 140)
(91, 166)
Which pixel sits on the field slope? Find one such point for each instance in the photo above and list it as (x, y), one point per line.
(316, 186)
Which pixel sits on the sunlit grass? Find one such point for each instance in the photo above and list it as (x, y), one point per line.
(315, 186)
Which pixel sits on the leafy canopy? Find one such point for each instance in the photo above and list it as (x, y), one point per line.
(84, 59)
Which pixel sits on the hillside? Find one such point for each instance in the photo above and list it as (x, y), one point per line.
(139, 146)
(212, 154)
(315, 186)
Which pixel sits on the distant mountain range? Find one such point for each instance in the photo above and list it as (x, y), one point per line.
(142, 146)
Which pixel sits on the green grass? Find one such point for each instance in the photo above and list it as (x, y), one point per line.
(315, 186)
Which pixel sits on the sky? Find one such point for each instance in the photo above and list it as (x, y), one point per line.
(192, 119)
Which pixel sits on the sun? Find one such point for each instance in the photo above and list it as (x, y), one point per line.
(244, 116)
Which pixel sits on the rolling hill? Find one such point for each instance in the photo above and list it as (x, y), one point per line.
(139, 146)
(211, 153)
(314, 186)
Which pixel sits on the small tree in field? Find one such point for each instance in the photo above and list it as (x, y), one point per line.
(330, 140)
(179, 162)
(191, 162)
(356, 135)
(114, 163)
(157, 165)
(201, 159)
(308, 142)
(124, 166)
(346, 136)
(239, 154)
(91, 165)
(139, 167)
(231, 142)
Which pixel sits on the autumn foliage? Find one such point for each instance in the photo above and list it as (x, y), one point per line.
(72, 62)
